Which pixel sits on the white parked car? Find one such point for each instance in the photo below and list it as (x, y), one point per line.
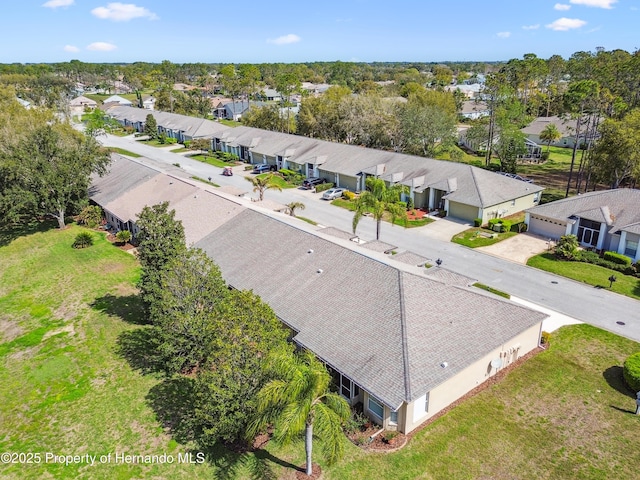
(333, 193)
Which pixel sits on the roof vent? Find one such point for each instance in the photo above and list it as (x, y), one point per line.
(310, 250)
(319, 270)
(444, 364)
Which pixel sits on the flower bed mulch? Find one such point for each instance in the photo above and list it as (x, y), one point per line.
(301, 474)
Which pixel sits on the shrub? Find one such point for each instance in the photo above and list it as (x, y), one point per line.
(123, 236)
(506, 226)
(286, 172)
(567, 247)
(90, 216)
(389, 435)
(361, 439)
(545, 156)
(410, 204)
(356, 423)
(477, 222)
(618, 258)
(83, 240)
(631, 372)
(349, 195)
(323, 186)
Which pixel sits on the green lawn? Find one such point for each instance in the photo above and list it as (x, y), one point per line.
(64, 388)
(478, 237)
(211, 160)
(278, 180)
(585, 272)
(342, 203)
(155, 143)
(181, 149)
(122, 151)
(564, 414)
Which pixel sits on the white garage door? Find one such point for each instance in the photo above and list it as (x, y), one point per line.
(546, 228)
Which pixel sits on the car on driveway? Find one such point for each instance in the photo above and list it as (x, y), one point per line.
(261, 168)
(312, 182)
(333, 193)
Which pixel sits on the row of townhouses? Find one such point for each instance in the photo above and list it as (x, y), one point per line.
(403, 340)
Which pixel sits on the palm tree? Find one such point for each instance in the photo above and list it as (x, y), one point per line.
(550, 134)
(297, 400)
(293, 206)
(378, 199)
(261, 184)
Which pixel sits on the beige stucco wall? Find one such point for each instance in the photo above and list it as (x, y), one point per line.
(462, 211)
(510, 207)
(469, 378)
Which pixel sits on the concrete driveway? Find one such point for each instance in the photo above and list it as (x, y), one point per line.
(518, 248)
(445, 228)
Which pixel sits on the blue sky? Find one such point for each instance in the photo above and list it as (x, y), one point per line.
(246, 31)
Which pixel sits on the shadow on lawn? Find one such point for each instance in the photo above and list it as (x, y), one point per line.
(9, 233)
(173, 401)
(129, 308)
(613, 376)
(141, 349)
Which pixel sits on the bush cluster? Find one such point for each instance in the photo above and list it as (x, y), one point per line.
(477, 222)
(631, 372)
(292, 177)
(349, 195)
(587, 256)
(83, 240)
(499, 225)
(323, 186)
(618, 258)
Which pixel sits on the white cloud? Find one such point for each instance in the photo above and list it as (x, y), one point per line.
(531, 27)
(57, 3)
(561, 6)
(595, 3)
(285, 39)
(71, 48)
(564, 24)
(101, 46)
(504, 34)
(123, 12)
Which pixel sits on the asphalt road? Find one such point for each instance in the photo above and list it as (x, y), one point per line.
(591, 305)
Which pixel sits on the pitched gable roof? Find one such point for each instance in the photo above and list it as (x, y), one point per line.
(617, 208)
(385, 328)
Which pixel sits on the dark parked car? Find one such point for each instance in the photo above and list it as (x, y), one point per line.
(309, 183)
(263, 167)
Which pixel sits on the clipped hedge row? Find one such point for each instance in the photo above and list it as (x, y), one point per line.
(587, 256)
(618, 258)
(323, 186)
(631, 372)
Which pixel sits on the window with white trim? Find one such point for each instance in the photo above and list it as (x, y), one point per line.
(393, 418)
(376, 407)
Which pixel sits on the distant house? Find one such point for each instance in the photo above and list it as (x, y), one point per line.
(469, 91)
(235, 110)
(148, 103)
(217, 106)
(604, 220)
(473, 110)
(566, 127)
(81, 104)
(271, 95)
(117, 99)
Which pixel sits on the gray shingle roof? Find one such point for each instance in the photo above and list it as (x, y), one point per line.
(123, 176)
(386, 329)
(619, 208)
